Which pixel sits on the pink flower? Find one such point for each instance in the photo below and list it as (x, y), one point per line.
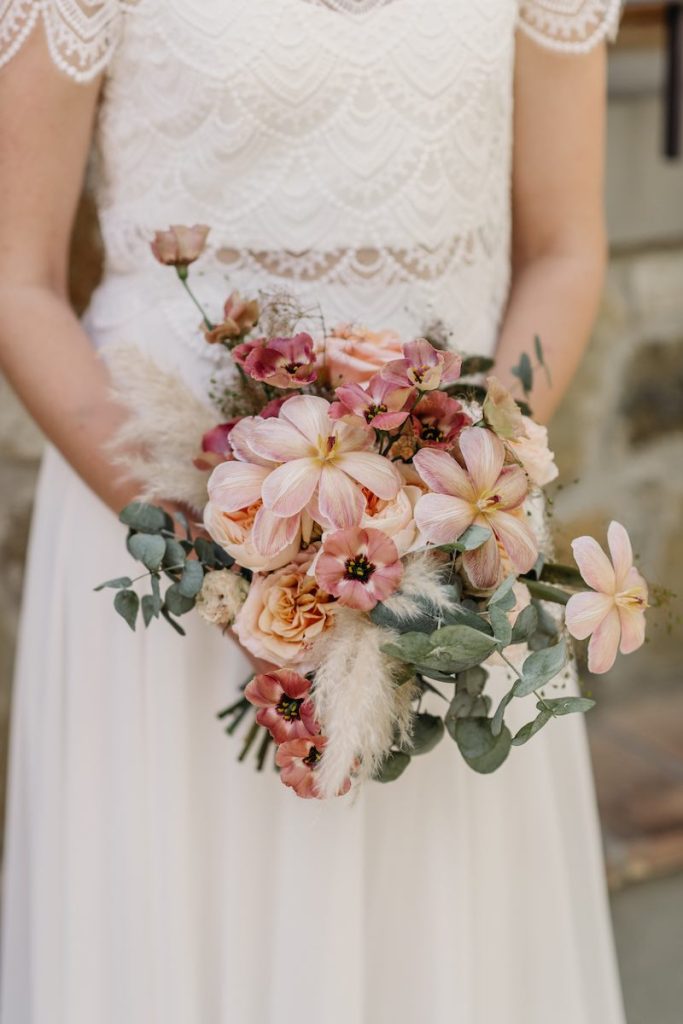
(485, 492)
(286, 709)
(533, 452)
(298, 761)
(423, 367)
(234, 531)
(360, 567)
(215, 446)
(352, 354)
(272, 409)
(614, 611)
(438, 419)
(395, 518)
(280, 362)
(323, 459)
(379, 404)
(239, 316)
(179, 246)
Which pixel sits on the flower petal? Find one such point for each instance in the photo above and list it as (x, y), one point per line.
(594, 565)
(309, 415)
(585, 612)
(291, 486)
(372, 471)
(235, 485)
(603, 646)
(443, 474)
(272, 533)
(483, 565)
(279, 441)
(512, 487)
(484, 454)
(340, 500)
(632, 628)
(621, 551)
(516, 537)
(442, 518)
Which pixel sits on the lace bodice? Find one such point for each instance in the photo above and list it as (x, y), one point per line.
(355, 151)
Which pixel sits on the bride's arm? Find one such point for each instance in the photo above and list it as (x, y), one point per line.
(559, 244)
(45, 127)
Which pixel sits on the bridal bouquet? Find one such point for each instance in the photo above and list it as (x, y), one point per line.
(362, 517)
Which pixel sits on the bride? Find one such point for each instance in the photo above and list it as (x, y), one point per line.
(364, 155)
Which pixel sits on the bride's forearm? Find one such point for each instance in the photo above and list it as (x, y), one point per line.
(49, 361)
(555, 297)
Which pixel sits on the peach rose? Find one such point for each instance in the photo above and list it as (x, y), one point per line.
(352, 354)
(394, 518)
(534, 454)
(284, 614)
(232, 530)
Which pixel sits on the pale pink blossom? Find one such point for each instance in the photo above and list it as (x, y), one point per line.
(285, 706)
(423, 367)
(180, 245)
(279, 362)
(360, 567)
(378, 404)
(239, 316)
(323, 460)
(485, 493)
(613, 613)
(534, 454)
(352, 354)
(298, 762)
(437, 420)
(234, 531)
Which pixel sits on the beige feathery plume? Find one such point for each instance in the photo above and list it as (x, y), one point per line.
(423, 580)
(362, 709)
(162, 434)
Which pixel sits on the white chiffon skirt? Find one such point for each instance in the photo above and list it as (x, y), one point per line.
(151, 879)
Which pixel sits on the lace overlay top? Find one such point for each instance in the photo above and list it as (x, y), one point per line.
(356, 152)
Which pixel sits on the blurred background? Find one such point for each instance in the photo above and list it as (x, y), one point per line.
(625, 461)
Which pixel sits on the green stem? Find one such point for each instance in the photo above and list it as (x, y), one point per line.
(242, 702)
(249, 740)
(182, 273)
(263, 751)
(237, 720)
(545, 592)
(539, 696)
(553, 572)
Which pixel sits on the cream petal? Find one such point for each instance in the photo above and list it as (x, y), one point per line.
(517, 539)
(443, 474)
(279, 441)
(483, 565)
(290, 487)
(632, 629)
(512, 487)
(594, 565)
(340, 500)
(372, 471)
(272, 533)
(351, 438)
(621, 551)
(484, 454)
(442, 518)
(603, 646)
(309, 415)
(235, 485)
(241, 437)
(585, 612)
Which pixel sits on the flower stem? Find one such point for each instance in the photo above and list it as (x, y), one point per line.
(182, 273)
(263, 751)
(249, 740)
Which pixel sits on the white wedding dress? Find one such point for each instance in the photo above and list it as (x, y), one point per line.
(357, 153)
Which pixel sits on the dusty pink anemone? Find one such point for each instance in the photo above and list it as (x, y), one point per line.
(613, 613)
(484, 492)
(180, 245)
(423, 367)
(379, 404)
(280, 362)
(239, 316)
(215, 446)
(298, 761)
(324, 463)
(438, 419)
(285, 707)
(360, 567)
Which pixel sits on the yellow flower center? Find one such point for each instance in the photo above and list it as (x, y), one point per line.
(327, 447)
(631, 599)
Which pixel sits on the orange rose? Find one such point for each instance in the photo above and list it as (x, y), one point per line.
(353, 354)
(232, 530)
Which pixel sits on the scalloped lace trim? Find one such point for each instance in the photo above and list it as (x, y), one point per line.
(81, 34)
(573, 26)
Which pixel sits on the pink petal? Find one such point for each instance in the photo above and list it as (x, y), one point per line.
(512, 487)
(483, 565)
(603, 646)
(443, 474)
(442, 518)
(340, 500)
(235, 485)
(517, 539)
(452, 365)
(279, 441)
(594, 565)
(585, 612)
(241, 437)
(484, 454)
(632, 628)
(355, 594)
(621, 552)
(343, 544)
(381, 550)
(308, 414)
(385, 579)
(290, 487)
(372, 471)
(272, 533)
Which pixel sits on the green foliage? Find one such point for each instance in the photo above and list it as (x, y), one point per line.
(127, 604)
(394, 766)
(148, 548)
(428, 730)
(146, 518)
(531, 728)
(566, 705)
(447, 650)
(540, 667)
(483, 751)
(473, 538)
(120, 581)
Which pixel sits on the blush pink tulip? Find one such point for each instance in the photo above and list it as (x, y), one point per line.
(279, 362)
(613, 613)
(298, 761)
(378, 404)
(180, 245)
(359, 567)
(484, 492)
(285, 707)
(438, 419)
(423, 367)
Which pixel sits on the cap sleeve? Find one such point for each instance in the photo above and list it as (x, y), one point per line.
(572, 26)
(81, 34)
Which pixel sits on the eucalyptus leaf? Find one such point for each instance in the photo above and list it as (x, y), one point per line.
(525, 625)
(148, 609)
(493, 758)
(473, 538)
(503, 591)
(531, 728)
(127, 604)
(190, 582)
(473, 680)
(502, 627)
(410, 647)
(393, 767)
(148, 548)
(146, 518)
(171, 621)
(118, 583)
(497, 720)
(540, 667)
(460, 615)
(483, 751)
(176, 602)
(567, 705)
(428, 730)
(156, 592)
(174, 554)
(424, 621)
(455, 648)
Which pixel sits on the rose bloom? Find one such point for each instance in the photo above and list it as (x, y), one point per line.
(534, 454)
(285, 707)
(239, 316)
(393, 517)
(179, 246)
(360, 567)
(353, 354)
(298, 760)
(285, 613)
(438, 419)
(233, 531)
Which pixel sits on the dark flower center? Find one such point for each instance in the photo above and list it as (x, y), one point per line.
(374, 410)
(419, 373)
(430, 432)
(293, 367)
(288, 708)
(359, 569)
(312, 757)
